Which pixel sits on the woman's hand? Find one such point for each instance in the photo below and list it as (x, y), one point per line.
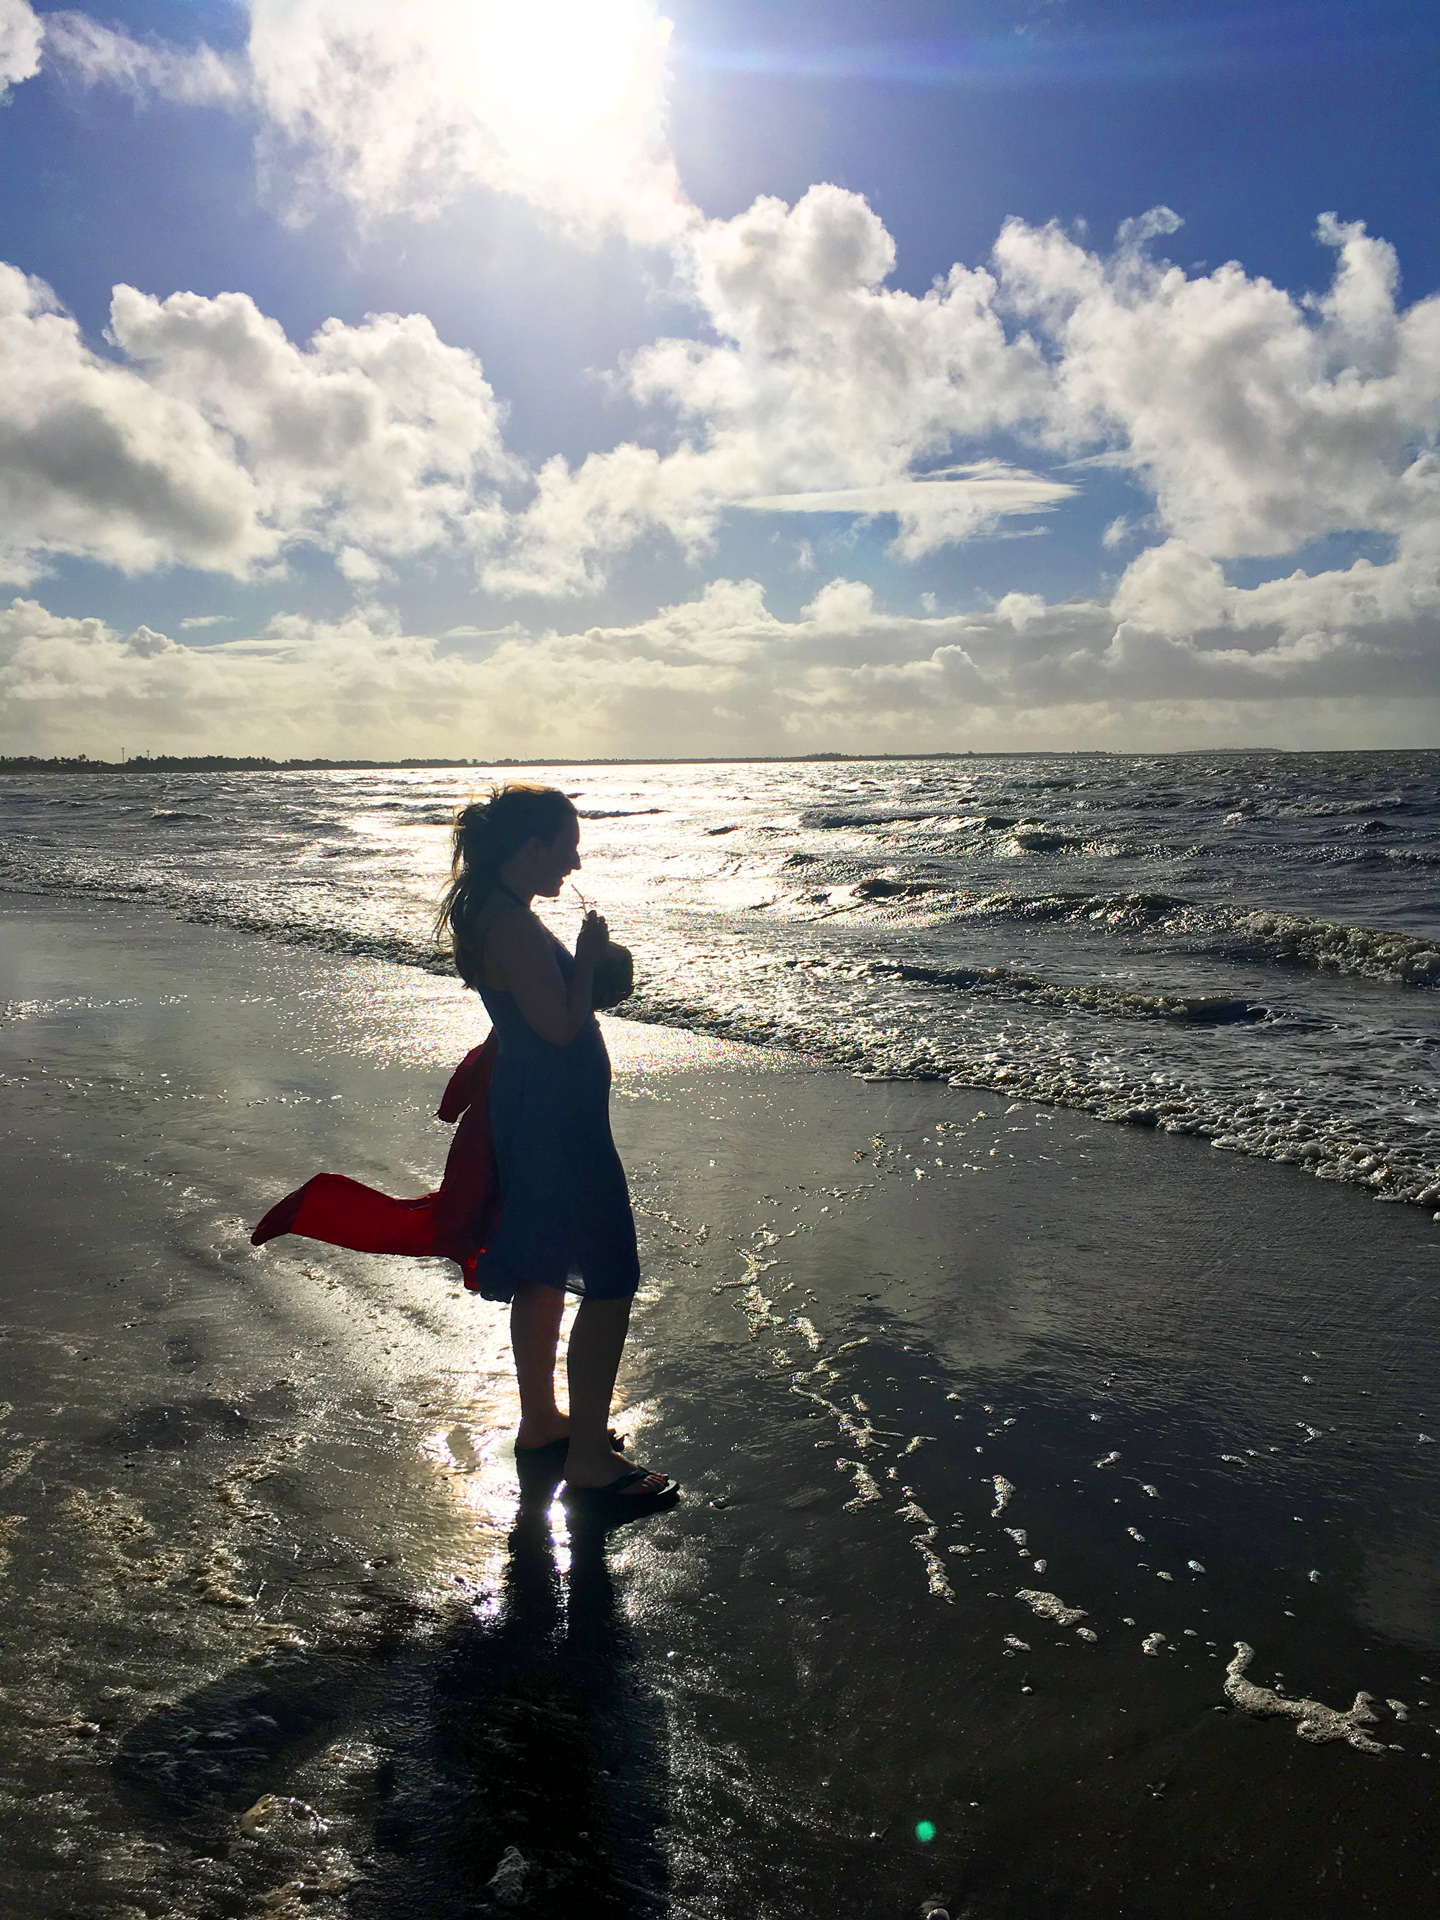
(522, 953)
(591, 942)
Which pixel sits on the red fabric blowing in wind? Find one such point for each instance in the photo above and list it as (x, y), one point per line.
(456, 1222)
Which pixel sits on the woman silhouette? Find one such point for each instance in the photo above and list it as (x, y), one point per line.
(565, 1219)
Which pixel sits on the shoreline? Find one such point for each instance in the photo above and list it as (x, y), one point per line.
(870, 1308)
(1340, 1158)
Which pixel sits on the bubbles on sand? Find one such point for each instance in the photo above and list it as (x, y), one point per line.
(1153, 1643)
(1050, 1607)
(216, 1578)
(1003, 1493)
(507, 1883)
(867, 1490)
(936, 1577)
(272, 1811)
(1313, 1720)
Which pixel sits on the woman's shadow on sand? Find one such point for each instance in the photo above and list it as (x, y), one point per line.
(510, 1765)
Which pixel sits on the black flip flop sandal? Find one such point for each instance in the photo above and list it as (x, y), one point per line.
(615, 1503)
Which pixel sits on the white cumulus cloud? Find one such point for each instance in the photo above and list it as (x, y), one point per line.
(20, 43)
(95, 461)
(1256, 420)
(1175, 657)
(217, 443)
(20, 37)
(816, 379)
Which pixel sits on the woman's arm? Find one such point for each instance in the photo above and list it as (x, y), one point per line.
(522, 955)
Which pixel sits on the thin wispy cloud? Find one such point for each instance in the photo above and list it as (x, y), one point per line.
(93, 54)
(936, 510)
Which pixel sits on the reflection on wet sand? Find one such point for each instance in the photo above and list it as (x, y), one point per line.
(509, 1759)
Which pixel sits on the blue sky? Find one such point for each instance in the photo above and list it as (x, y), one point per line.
(681, 450)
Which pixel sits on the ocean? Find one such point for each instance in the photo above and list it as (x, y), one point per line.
(1240, 946)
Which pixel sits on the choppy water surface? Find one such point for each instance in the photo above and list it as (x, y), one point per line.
(1241, 946)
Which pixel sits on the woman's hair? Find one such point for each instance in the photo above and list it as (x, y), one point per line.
(484, 836)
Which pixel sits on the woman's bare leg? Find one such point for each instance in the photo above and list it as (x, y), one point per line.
(597, 1341)
(535, 1314)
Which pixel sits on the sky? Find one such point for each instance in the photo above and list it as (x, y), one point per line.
(594, 378)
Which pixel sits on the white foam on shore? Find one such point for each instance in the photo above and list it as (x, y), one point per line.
(338, 861)
(936, 1577)
(867, 1489)
(1314, 1721)
(1050, 1607)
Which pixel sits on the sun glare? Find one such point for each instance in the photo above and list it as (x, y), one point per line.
(558, 73)
(560, 101)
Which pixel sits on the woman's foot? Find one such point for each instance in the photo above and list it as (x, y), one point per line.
(632, 1496)
(594, 1473)
(542, 1431)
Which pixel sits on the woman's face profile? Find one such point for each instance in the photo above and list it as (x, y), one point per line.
(555, 859)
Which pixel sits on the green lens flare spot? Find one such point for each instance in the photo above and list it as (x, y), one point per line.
(925, 1831)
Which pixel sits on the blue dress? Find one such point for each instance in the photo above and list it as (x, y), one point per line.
(565, 1216)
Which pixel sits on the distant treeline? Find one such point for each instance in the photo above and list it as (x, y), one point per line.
(253, 763)
(211, 763)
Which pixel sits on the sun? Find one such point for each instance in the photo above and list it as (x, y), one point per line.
(561, 102)
(562, 74)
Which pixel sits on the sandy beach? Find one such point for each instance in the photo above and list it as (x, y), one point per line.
(999, 1429)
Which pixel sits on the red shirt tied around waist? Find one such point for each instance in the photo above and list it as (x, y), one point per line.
(454, 1223)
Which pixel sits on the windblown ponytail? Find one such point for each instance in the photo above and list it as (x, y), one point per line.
(484, 836)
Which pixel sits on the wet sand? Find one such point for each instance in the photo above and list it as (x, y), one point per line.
(276, 1639)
